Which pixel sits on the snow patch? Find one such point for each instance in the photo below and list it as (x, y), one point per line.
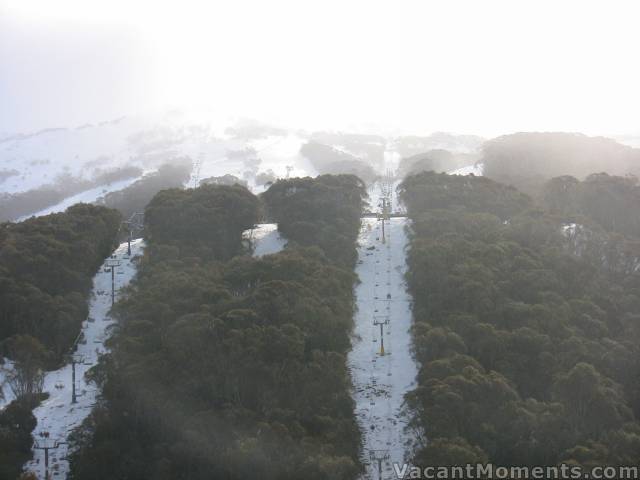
(476, 169)
(265, 239)
(6, 393)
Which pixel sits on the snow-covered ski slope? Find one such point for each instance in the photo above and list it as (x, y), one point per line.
(220, 145)
(88, 196)
(265, 239)
(57, 415)
(381, 381)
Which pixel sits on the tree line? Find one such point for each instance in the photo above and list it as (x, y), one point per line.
(323, 211)
(227, 366)
(609, 201)
(528, 160)
(528, 351)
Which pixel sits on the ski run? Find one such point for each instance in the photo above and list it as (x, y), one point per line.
(57, 416)
(382, 367)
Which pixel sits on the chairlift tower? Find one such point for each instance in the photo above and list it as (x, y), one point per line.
(112, 263)
(381, 320)
(385, 216)
(75, 359)
(46, 443)
(379, 456)
(197, 166)
(135, 223)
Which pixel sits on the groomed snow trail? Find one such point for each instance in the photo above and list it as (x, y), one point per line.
(265, 239)
(57, 415)
(87, 196)
(381, 381)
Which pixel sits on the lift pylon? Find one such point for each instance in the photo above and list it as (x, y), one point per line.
(381, 320)
(379, 456)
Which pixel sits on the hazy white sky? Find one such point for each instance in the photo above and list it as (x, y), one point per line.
(469, 66)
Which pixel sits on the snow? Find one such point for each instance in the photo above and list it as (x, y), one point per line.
(6, 394)
(146, 142)
(273, 153)
(476, 169)
(374, 191)
(392, 157)
(277, 153)
(569, 229)
(40, 158)
(88, 196)
(381, 381)
(265, 239)
(57, 415)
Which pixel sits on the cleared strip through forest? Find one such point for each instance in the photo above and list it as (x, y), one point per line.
(381, 362)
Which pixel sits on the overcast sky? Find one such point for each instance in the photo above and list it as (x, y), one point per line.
(476, 66)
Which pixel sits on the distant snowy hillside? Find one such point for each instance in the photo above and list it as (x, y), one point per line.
(49, 170)
(45, 171)
(145, 142)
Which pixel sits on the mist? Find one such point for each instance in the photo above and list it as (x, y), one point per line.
(485, 68)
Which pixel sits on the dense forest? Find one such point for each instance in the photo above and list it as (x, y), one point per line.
(529, 160)
(227, 366)
(16, 424)
(528, 350)
(610, 201)
(323, 211)
(46, 269)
